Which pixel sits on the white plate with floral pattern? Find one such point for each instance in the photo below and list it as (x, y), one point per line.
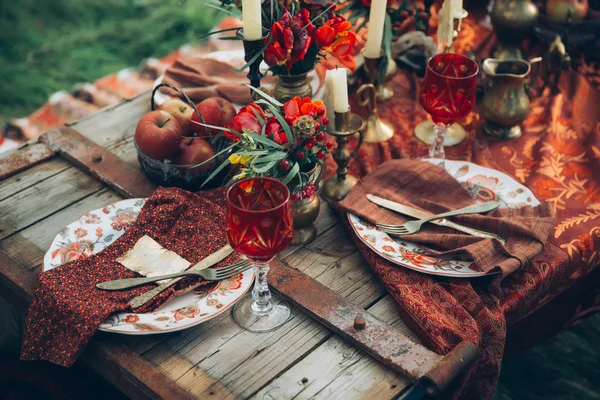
(99, 228)
(484, 184)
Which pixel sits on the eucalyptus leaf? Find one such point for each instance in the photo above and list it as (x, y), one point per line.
(262, 168)
(253, 152)
(280, 155)
(262, 139)
(290, 175)
(216, 171)
(258, 116)
(216, 32)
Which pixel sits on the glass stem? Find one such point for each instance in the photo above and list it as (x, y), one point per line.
(437, 148)
(261, 293)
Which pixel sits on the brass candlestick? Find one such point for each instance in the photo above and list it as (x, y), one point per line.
(346, 124)
(367, 95)
(253, 50)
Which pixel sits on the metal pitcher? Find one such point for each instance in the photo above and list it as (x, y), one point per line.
(505, 104)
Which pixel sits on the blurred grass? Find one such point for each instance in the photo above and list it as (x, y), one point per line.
(49, 45)
(46, 46)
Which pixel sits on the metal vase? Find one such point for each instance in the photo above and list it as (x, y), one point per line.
(305, 211)
(290, 86)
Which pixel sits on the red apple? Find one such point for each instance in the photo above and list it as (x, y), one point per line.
(158, 135)
(558, 10)
(182, 113)
(216, 112)
(195, 151)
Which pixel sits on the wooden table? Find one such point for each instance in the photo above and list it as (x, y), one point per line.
(216, 359)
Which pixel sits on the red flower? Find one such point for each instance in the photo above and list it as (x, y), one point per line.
(246, 119)
(335, 37)
(291, 38)
(275, 132)
(298, 107)
(254, 109)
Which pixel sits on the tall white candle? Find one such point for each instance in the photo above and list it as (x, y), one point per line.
(340, 90)
(328, 98)
(252, 19)
(445, 25)
(376, 25)
(457, 12)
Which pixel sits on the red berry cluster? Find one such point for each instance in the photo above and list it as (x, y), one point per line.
(304, 193)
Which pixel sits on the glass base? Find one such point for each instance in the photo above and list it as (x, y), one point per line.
(426, 134)
(246, 317)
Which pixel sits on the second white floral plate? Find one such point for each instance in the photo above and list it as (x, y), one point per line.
(99, 228)
(484, 184)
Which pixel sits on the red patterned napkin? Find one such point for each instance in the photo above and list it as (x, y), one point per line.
(67, 307)
(200, 78)
(426, 186)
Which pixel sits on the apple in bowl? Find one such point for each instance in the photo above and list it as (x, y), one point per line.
(182, 112)
(158, 135)
(193, 151)
(216, 112)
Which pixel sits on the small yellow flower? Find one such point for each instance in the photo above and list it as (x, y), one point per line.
(235, 158)
(241, 174)
(245, 159)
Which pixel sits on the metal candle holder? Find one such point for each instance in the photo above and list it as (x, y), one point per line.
(251, 49)
(346, 124)
(367, 95)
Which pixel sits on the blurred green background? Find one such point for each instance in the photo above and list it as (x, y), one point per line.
(49, 45)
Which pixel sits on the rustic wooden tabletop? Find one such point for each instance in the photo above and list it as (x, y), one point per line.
(216, 359)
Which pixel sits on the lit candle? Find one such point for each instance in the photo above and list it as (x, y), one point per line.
(376, 24)
(252, 19)
(340, 90)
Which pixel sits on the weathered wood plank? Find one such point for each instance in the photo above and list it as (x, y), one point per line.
(114, 123)
(29, 245)
(23, 158)
(39, 201)
(98, 162)
(34, 175)
(349, 373)
(243, 361)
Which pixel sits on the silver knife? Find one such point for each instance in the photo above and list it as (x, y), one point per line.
(416, 213)
(209, 261)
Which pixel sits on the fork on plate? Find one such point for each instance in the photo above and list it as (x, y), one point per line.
(414, 226)
(210, 274)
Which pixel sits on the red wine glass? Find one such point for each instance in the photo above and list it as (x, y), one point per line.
(259, 225)
(448, 93)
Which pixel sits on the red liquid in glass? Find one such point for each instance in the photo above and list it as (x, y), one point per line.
(448, 91)
(259, 219)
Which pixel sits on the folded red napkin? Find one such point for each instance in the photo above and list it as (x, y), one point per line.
(200, 78)
(67, 307)
(426, 186)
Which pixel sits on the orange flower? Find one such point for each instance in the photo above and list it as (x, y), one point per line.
(298, 107)
(335, 38)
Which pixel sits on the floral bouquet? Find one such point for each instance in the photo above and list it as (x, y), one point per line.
(302, 33)
(285, 142)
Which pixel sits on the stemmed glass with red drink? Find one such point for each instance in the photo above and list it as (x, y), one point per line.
(259, 225)
(448, 93)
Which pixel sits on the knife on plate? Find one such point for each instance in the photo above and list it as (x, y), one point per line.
(416, 213)
(209, 261)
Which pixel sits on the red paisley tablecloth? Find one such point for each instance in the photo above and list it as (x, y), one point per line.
(558, 158)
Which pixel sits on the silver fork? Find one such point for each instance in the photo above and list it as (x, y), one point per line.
(414, 226)
(210, 274)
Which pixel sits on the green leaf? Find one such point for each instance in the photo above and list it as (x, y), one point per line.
(258, 117)
(216, 32)
(216, 171)
(229, 38)
(264, 95)
(262, 168)
(262, 140)
(237, 15)
(279, 155)
(253, 152)
(293, 172)
(284, 125)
